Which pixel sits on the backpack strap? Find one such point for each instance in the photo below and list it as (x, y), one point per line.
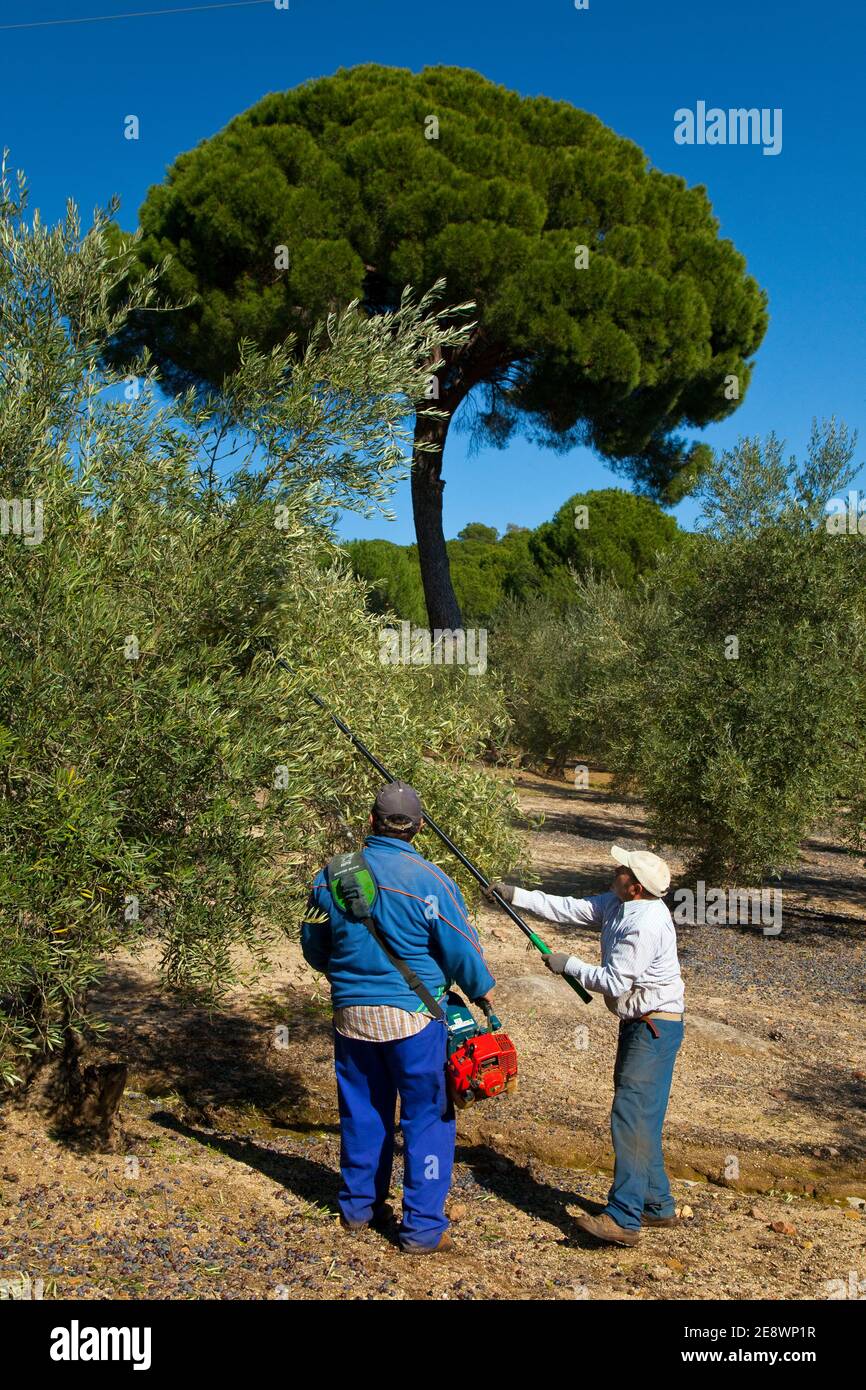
(349, 879)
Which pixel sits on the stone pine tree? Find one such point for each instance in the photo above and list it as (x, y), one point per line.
(608, 310)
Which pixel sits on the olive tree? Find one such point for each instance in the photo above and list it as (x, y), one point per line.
(748, 713)
(162, 780)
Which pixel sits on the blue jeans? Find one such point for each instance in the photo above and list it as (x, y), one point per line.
(642, 1083)
(370, 1076)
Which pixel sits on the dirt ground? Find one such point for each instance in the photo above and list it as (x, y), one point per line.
(225, 1183)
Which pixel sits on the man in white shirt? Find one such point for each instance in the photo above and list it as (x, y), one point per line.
(640, 980)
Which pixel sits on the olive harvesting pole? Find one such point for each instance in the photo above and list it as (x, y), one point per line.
(476, 873)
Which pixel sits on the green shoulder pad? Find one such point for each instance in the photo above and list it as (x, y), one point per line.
(352, 885)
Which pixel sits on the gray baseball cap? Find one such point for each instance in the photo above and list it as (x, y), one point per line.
(398, 799)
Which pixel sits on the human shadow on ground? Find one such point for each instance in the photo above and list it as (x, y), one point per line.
(490, 1171)
(514, 1184)
(304, 1177)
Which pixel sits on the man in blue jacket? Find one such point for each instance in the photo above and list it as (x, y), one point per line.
(386, 1043)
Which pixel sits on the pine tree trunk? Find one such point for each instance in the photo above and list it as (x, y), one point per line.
(443, 611)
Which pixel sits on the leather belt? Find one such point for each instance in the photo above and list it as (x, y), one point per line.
(657, 1013)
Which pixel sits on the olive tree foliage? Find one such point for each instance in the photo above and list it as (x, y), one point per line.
(727, 689)
(610, 312)
(161, 778)
(561, 667)
(748, 723)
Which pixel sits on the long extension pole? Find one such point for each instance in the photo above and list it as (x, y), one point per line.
(437, 830)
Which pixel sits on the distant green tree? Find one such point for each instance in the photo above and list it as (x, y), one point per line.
(523, 579)
(625, 536)
(477, 531)
(726, 687)
(611, 531)
(393, 575)
(479, 569)
(484, 570)
(562, 670)
(610, 312)
(487, 572)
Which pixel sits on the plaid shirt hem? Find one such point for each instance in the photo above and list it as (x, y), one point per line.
(378, 1022)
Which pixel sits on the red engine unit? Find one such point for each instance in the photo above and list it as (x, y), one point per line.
(483, 1066)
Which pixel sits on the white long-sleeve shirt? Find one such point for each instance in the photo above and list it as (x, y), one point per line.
(640, 970)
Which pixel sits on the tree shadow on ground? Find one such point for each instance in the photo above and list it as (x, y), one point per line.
(210, 1059)
(559, 792)
(574, 883)
(829, 871)
(838, 1096)
(584, 825)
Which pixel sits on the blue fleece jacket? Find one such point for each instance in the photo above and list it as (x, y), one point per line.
(420, 912)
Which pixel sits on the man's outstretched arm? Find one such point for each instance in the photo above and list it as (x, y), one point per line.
(579, 912)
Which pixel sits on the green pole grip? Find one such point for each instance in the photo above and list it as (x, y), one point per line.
(545, 950)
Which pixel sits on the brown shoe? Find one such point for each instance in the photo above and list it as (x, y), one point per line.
(380, 1218)
(604, 1227)
(444, 1244)
(660, 1220)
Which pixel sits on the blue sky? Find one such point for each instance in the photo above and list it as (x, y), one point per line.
(797, 216)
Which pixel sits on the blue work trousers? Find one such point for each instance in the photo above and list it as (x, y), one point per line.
(370, 1077)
